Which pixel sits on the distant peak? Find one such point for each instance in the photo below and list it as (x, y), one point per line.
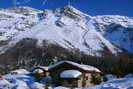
(20, 9)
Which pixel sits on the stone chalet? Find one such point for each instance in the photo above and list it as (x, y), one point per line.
(70, 74)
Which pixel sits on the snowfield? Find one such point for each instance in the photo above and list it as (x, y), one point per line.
(19, 81)
(123, 83)
(25, 81)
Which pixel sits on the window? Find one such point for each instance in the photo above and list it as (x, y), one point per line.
(70, 82)
(86, 78)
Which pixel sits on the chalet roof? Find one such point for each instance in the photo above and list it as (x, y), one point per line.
(46, 68)
(81, 66)
(70, 74)
(20, 71)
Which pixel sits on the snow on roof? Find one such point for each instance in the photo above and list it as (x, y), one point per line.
(42, 68)
(38, 71)
(60, 87)
(82, 66)
(70, 74)
(21, 71)
(45, 68)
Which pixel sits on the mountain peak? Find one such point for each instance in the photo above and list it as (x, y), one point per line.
(74, 10)
(71, 12)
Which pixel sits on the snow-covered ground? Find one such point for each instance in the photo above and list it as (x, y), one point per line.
(122, 83)
(19, 81)
(24, 81)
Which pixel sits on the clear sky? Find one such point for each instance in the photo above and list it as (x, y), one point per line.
(92, 7)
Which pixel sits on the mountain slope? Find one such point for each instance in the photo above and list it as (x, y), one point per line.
(117, 29)
(66, 27)
(30, 37)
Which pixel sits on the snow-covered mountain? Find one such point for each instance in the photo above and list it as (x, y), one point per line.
(67, 27)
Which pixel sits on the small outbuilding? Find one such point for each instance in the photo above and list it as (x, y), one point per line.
(71, 78)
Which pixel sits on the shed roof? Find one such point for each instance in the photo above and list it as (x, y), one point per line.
(21, 71)
(38, 71)
(70, 74)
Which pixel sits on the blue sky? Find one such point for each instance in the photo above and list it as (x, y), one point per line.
(92, 7)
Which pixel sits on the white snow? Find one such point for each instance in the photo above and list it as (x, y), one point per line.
(82, 66)
(19, 81)
(122, 83)
(12, 14)
(4, 84)
(110, 77)
(38, 71)
(21, 71)
(15, 25)
(60, 87)
(121, 36)
(62, 29)
(24, 81)
(37, 85)
(70, 74)
(128, 76)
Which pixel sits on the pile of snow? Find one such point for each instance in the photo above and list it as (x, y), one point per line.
(123, 83)
(19, 81)
(128, 76)
(4, 84)
(70, 74)
(110, 77)
(37, 85)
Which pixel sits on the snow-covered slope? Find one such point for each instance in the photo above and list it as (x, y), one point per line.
(67, 27)
(117, 29)
(15, 20)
